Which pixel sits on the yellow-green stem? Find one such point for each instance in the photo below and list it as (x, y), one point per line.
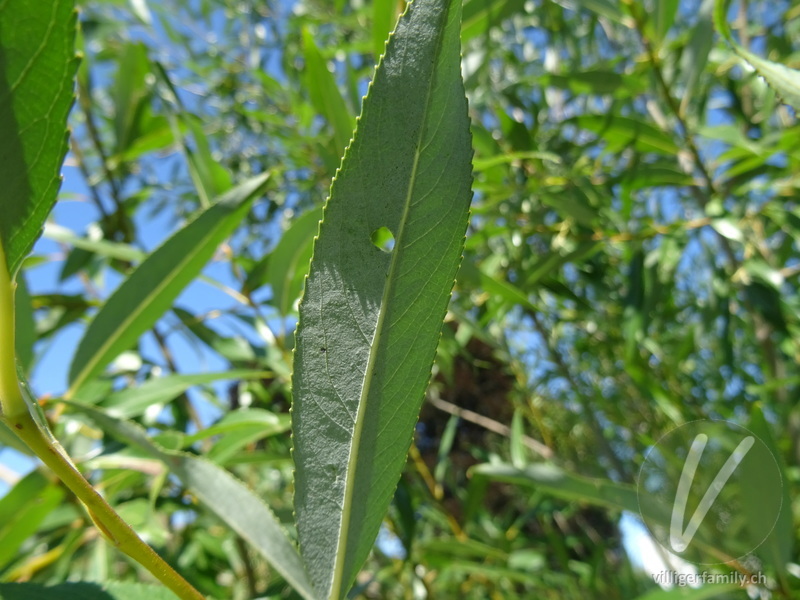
(106, 519)
(16, 416)
(10, 399)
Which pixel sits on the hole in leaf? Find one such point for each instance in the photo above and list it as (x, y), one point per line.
(383, 239)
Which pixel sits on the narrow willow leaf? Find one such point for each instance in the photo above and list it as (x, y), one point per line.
(20, 518)
(151, 289)
(370, 317)
(289, 262)
(131, 93)
(620, 133)
(384, 14)
(37, 67)
(664, 17)
(285, 268)
(481, 15)
(230, 499)
(325, 94)
(57, 233)
(707, 591)
(560, 483)
(563, 484)
(25, 324)
(695, 57)
(785, 81)
(133, 401)
(776, 550)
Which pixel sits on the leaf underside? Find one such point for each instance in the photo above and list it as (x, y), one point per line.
(37, 68)
(370, 317)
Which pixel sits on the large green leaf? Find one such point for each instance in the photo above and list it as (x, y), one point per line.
(232, 501)
(37, 67)
(370, 317)
(152, 288)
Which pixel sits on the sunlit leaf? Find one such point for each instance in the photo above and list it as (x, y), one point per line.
(37, 67)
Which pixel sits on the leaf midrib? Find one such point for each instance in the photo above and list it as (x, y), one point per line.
(341, 549)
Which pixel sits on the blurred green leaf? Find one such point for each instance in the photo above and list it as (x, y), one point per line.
(239, 428)
(784, 80)
(57, 233)
(237, 350)
(325, 94)
(25, 334)
(384, 16)
(221, 492)
(85, 591)
(701, 593)
(695, 57)
(285, 268)
(152, 288)
(481, 164)
(593, 82)
(777, 549)
(565, 485)
(481, 15)
(619, 133)
(133, 401)
(664, 17)
(131, 94)
(211, 179)
(22, 511)
(604, 8)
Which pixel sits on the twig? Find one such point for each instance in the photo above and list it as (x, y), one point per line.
(489, 425)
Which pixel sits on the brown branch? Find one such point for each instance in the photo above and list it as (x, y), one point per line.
(489, 425)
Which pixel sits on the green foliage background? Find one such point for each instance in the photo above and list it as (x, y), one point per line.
(631, 264)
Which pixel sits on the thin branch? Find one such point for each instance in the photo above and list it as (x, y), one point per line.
(489, 425)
